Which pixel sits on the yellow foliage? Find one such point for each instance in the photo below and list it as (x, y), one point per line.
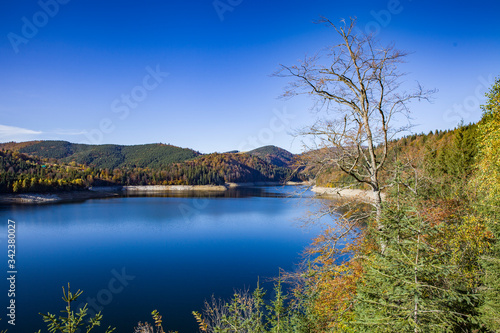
(333, 283)
(488, 166)
(201, 322)
(471, 239)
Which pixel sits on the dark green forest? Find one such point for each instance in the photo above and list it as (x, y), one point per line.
(274, 155)
(105, 156)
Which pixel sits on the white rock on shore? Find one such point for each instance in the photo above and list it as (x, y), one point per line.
(362, 195)
(35, 198)
(160, 188)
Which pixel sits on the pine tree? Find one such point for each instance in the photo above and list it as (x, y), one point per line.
(464, 149)
(277, 310)
(407, 288)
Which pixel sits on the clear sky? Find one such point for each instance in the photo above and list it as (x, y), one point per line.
(197, 73)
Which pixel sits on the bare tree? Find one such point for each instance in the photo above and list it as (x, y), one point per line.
(358, 81)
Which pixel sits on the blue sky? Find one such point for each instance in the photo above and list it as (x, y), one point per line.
(197, 73)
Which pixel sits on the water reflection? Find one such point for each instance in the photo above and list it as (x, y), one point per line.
(180, 249)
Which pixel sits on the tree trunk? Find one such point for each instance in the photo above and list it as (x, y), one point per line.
(378, 206)
(378, 217)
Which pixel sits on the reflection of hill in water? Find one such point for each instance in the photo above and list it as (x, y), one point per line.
(234, 192)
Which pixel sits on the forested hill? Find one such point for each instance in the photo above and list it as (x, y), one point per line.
(242, 168)
(445, 158)
(105, 156)
(44, 166)
(273, 155)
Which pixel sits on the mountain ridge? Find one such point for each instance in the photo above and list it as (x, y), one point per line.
(48, 166)
(140, 155)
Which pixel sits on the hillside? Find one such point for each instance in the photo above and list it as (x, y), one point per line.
(434, 154)
(241, 168)
(47, 166)
(105, 156)
(22, 173)
(273, 155)
(443, 156)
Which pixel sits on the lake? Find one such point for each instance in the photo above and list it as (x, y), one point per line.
(131, 255)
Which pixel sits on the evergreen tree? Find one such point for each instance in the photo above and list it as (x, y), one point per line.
(278, 320)
(407, 288)
(462, 153)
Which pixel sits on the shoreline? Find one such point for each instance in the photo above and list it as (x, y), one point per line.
(98, 192)
(168, 188)
(337, 193)
(289, 183)
(53, 197)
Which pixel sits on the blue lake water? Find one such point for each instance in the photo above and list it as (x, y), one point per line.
(131, 255)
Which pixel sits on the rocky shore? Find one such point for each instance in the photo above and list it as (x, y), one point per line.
(338, 193)
(163, 188)
(266, 184)
(51, 198)
(114, 191)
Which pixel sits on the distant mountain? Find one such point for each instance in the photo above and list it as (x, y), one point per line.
(273, 155)
(59, 165)
(15, 146)
(51, 166)
(241, 168)
(105, 156)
